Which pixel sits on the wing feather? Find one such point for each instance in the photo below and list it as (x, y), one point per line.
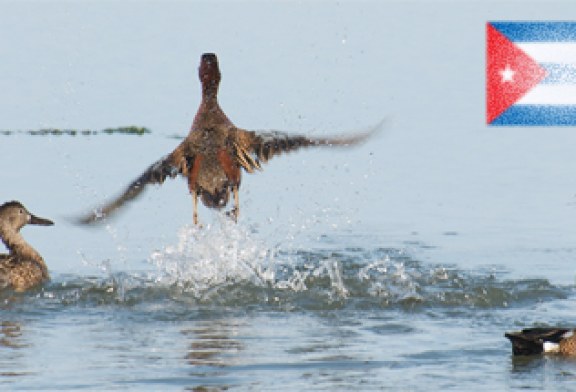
(169, 166)
(255, 147)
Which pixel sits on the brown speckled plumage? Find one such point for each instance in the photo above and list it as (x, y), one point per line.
(23, 267)
(214, 152)
(530, 341)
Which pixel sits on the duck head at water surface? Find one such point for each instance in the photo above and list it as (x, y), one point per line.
(215, 152)
(23, 267)
(533, 341)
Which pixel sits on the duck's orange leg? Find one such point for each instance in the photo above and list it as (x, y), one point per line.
(195, 208)
(236, 209)
(192, 176)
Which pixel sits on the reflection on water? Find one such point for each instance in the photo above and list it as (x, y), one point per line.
(542, 372)
(212, 348)
(11, 335)
(212, 344)
(12, 343)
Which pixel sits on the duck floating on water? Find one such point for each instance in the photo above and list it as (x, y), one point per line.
(532, 341)
(23, 267)
(214, 152)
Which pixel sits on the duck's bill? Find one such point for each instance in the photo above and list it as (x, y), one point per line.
(36, 220)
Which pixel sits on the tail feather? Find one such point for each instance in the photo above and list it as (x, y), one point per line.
(523, 346)
(531, 341)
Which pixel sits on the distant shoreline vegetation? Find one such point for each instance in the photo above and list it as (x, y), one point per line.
(131, 130)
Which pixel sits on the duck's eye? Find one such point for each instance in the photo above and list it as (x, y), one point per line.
(21, 211)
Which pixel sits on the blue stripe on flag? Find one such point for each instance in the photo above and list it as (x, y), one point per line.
(559, 73)
(537, 31)
(535, 115)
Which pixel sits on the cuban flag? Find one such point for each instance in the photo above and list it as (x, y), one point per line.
(531, 73)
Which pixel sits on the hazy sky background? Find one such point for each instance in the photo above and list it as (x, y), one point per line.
(437, 175)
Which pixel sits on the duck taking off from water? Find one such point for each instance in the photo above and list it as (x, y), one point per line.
(23, 267)
(532, 341)
(214, 152)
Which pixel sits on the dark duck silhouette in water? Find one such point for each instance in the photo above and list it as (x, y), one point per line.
(23, 267)
(214, 152)
(532, 341)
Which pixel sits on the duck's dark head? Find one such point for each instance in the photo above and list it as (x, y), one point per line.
(209, 74)
(16, 216)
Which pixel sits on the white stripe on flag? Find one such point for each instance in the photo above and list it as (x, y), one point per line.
(550, 94)
(550, 52)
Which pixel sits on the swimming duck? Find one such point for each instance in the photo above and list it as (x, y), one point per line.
(532, 341)
(214, 152)
(23, 267)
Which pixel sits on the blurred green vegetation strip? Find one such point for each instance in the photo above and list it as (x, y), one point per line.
(131, 130)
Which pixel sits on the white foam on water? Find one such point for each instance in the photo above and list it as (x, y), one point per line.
(391, 280)
(219, 254)
(225, 253)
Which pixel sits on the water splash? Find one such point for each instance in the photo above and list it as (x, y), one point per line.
(228, 264)
(391, 281)
(226, 255)
(218, 255)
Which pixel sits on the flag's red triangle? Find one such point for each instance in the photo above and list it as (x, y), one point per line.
(510, 73)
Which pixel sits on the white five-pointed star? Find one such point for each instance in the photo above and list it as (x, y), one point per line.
(507, 74)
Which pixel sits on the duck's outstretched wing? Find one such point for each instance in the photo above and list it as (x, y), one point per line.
(169, 166)
(255, 147)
